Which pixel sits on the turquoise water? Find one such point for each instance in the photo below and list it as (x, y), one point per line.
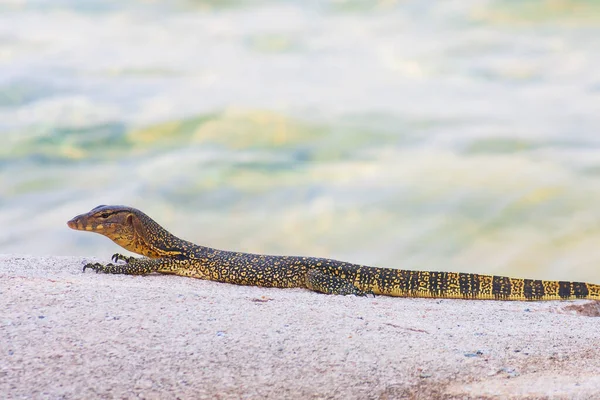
(412, 134)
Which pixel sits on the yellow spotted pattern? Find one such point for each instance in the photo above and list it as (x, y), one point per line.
(166, 253)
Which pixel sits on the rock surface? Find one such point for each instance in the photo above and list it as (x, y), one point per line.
(66, 334)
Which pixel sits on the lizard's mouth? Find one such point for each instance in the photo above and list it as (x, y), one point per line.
(76, 224)
(79, 223)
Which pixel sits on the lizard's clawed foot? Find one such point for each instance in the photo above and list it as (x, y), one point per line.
(131, 266)
(97, 267)
(368, 293)
(116, 257)
(359, 293)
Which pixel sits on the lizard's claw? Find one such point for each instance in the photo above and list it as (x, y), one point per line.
(94, 266)
(369, 293)
(116, 257)
(97, 267)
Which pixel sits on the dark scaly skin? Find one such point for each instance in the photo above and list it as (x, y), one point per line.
(167, 254)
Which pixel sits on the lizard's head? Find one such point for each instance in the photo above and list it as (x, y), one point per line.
(131, 229)
(114, 222)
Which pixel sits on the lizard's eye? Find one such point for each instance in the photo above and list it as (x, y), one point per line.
(104, 215)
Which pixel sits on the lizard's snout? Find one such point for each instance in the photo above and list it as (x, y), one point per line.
(76, 223)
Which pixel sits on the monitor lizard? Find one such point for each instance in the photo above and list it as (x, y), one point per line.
(167, 254)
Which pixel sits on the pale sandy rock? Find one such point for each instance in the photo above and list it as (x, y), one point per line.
(66, 334)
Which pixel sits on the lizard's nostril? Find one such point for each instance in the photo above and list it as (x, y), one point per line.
(76, 223)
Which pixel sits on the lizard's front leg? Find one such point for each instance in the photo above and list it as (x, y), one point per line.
(132, 265)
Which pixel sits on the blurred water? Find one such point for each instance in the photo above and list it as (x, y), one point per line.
(454, 135)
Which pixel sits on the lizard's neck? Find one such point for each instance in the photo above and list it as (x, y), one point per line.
(154, 241)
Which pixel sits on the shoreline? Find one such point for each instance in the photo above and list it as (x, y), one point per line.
(76, 335)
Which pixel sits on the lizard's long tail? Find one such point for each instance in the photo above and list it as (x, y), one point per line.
(403, 283)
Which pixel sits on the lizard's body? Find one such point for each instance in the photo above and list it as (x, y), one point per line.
(167, 254)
